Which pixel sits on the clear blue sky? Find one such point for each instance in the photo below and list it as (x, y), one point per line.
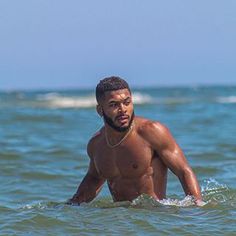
(74, 43)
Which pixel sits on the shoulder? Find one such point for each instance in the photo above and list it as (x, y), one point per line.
(93, 142)
(147, 127)
(153, 132)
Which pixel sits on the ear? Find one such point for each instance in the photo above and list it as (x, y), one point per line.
(99, 110)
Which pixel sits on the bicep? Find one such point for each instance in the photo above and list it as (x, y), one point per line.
(168, 150)
(174, 159)
(92, 170)
(92, 181)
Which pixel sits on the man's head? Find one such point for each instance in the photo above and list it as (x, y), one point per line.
(115, 103)
(108, 84)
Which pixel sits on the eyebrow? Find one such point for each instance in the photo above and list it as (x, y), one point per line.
(118, 101)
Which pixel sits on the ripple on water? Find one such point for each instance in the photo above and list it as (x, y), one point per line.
(207, 170)
(41, 175)
(144, 215)
(10, 156)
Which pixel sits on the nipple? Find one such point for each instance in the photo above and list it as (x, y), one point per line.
(135, 166)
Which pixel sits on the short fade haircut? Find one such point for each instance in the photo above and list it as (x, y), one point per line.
(110, 84)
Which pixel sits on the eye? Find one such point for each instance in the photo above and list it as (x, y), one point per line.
(127, 102)
(113, 104)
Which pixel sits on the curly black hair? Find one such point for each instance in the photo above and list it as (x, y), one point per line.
(110, 84)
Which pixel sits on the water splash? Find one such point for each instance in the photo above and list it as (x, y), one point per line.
(186, 202)
(216, 193)
(42, 205)
(146, 201)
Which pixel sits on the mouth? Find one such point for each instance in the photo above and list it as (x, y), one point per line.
(122, 119)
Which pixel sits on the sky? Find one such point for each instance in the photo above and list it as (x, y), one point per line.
(74, 43)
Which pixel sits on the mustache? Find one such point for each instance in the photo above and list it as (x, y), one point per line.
(124, 116)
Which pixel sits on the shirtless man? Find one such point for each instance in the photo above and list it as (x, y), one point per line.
(131, 153)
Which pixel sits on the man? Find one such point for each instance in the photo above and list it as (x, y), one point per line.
(131, 153)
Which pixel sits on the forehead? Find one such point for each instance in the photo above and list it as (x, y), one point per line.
(120, 94)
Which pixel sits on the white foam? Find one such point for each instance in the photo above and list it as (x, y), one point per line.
(230, 99)
(55, 100)
(187, 201)
(139, 98)
(69, 102)
(38, 205)
(146, 201)
(47, 96)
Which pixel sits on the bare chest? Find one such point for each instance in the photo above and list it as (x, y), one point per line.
(129, 160)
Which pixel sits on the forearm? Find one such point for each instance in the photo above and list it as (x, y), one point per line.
(87, 190)
(190, 184)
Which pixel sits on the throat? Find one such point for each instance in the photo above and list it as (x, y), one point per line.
(120, 139)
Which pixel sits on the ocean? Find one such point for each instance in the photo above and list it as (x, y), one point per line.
(43, 138)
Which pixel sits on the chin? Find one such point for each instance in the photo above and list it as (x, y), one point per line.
(124, 127)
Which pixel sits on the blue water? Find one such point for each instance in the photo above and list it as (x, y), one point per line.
(43, 137)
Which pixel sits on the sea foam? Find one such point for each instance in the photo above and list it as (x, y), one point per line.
(55, 100)
(229, 99)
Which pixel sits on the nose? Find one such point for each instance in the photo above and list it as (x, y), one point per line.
(122, 108)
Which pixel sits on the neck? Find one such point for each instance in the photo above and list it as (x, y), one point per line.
(115, 133)
(114, 138)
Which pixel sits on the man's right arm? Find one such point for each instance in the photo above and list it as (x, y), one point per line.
(89, 187)
(91, 184)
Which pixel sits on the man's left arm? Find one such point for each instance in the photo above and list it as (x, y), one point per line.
(173, 157)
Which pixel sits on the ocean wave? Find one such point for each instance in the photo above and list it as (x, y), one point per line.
(55, 100)
(229, 99)
(58, 100)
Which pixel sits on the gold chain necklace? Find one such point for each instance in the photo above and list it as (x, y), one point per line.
(122, 140)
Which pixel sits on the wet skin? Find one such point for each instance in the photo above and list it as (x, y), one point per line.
(139, 164)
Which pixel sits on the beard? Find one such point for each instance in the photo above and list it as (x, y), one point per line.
(111, 123)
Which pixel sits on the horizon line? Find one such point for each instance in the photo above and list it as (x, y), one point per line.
(137, 87)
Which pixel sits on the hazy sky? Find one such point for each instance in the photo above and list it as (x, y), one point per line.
(73, 43)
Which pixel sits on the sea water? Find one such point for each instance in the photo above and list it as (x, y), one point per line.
(43, 138)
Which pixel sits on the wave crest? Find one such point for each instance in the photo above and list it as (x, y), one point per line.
(55, 100)
(230, 99)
